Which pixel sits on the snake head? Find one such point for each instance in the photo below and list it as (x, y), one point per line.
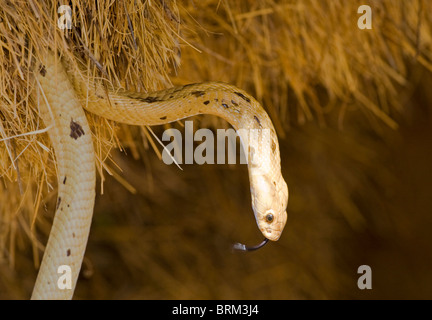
(269, 203)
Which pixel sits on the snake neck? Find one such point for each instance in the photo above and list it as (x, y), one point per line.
(242, 111)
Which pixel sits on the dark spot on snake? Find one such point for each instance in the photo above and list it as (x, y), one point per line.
(241, 95)
(68, 252)
(206, 102)
(68, 206)
(257, 120)
(225, 105)
(43, 71)
(171, 97)
(216, 100)
(274, 182)
(64, 180)
(73, 234)
(76, 130)
(58, 203)
(198, 93)
(163, 118)
(273, 146)
(234, 103)
(149, 99)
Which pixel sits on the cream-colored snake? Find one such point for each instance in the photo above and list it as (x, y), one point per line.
(62, 97)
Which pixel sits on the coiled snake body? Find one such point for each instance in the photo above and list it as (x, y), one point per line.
(62, 97)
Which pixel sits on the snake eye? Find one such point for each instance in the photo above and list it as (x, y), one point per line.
(269, 217)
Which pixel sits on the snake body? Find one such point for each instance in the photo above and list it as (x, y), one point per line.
(71, 139)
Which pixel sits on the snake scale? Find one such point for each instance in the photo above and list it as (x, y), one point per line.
(62, 98)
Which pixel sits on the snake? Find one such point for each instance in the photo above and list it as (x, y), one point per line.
(63, 99)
